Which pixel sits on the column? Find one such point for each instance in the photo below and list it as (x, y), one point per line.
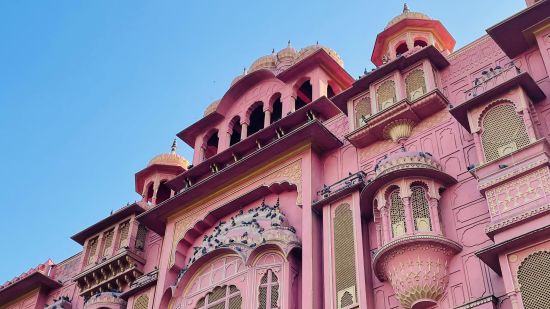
(434, 214)
(244, 130)
(408, 215)
(385, 226)
(267, 118)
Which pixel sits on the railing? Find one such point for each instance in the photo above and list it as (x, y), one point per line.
(349, 181)
(491, 78)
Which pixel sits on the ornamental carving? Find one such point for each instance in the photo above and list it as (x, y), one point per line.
(291, 173)
(105, 300)
(406, 160)
(518, 192)
(491, 229)
(246, 231)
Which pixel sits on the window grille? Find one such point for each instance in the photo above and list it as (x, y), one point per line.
(344, 251)
(397, 214)
(268, 285)
(346, 300)
(221, 297)
(362, 110)
(503, 132)
(140, 237)
(386, 95)
(141, 302)
(421, 209)
(92, 247)
(416, 84)
(534, 280)
(124, 229)
(108, 242)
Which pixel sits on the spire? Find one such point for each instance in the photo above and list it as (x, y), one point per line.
(405, 8)
(289, 44)
(174, 146)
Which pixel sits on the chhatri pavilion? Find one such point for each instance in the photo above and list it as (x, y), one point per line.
(422, 184)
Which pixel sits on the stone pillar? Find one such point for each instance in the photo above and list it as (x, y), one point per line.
(244, 130)
(386, 236)
(267, 118)
(408, 215)
(434, 214)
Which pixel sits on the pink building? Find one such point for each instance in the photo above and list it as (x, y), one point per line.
(425, 183)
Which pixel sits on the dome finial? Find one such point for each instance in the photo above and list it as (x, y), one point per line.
(174, 146)
(273, 51)
(405, 8)
(288, 43)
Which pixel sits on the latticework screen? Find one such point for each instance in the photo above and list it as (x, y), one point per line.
(421, 209)
(268, 285)
(534, 280)
(397, 214)
(141, 236)
(92, 248)
(503, 132)
(386, 94)
(141, 302)
(221, 297)
(108, 241)
(124, 229)
(416, 84)
(362, 110)
(344, 249)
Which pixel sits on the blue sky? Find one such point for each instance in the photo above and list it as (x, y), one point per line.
(91, 90)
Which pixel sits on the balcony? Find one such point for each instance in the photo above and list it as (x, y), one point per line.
(340, 188)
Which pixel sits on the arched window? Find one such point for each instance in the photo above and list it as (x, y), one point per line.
(142, 302)
(221, 297)
(304, 95)
(362, 111)
(503, 131)
(420, 209)
(92, 248)
(401, 49)
(420, 43)
(140, 237)
(330, 92)
(107, 241)
(416, 84)
(397, 214)
(235, 131)
(268, 294)
(123, 230)
(163, 192)
(386, 94)
(534, 280)
(277, 112)
(344, 257)
(257, 118)
(150, 192)
(211, 147)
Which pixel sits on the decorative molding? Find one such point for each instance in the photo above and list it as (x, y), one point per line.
(492, 228)
(479, 302)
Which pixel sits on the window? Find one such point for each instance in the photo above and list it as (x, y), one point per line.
(420, 43)
(386, 95)
(268, 295)
(92, 248)
(503, 131)
(221, 297)
(211, 147)
(397, 214)
(416, 84)
(108, 241)
(141, 302)
(150, 192)
(362, 111)
(534, 280)
(123, 230)
(257, 118)
(236, 130)
(140, 237)
(163, 192)
(304, 95)
(401, 49)
(277, 112)
(344, 257)
(421, 209)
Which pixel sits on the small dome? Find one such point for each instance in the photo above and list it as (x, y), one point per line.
(211, 108)
(266, 62)
(407, 14)
(287, 54)
(306, 51)
(171, 158)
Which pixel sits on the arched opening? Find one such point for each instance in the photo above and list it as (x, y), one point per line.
(397, 214)
(150, 192)
(235, 131)
(401, 49)
(420, 43)
(257, 118)
(211, 147)
(534, 280)
(304, 95)
(163, 192)
(330, 91)
(277, 112)
(421, 209)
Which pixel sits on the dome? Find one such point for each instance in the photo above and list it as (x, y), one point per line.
(287, 54)
(306, 51)
(266, 62)
(407, 14)
(171, 158)
(211, 108)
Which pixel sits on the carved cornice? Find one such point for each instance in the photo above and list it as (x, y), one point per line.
(494, 228)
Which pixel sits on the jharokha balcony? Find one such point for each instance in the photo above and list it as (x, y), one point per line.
(412, 253)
